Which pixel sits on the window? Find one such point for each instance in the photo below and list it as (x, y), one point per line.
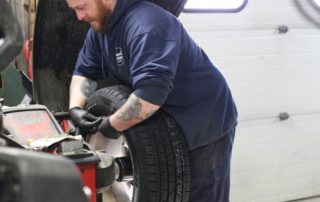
(215, 5)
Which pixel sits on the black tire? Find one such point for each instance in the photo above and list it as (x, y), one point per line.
(156, 147)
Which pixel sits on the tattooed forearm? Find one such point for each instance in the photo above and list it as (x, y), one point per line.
(87, 87)
(80, 89)
(130, 110)
(150, 114)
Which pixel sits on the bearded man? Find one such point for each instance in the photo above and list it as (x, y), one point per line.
(147, 48)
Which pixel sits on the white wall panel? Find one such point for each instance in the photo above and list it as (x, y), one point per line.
(268, 73)
(256, 59)
(276, 160)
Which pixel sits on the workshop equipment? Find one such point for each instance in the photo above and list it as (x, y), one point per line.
(33, 127)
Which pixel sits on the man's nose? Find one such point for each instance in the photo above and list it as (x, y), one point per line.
(80, 15)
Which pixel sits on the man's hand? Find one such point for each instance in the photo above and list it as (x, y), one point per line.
(87, 123)
(107, 130)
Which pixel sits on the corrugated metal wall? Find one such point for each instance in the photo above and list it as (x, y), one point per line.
(269, 73)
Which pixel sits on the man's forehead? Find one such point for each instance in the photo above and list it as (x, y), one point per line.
(76, 3)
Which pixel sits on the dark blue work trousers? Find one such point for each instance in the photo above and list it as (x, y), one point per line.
(210, 171)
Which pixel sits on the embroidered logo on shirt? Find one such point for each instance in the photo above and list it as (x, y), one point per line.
(119, 56)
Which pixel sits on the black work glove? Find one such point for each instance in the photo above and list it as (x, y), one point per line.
(107, 130)
(87, 123)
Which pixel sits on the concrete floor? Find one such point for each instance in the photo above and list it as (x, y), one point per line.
(309, 199)
(108, 196)
(316, 199)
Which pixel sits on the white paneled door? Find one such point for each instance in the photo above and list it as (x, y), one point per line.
(270, 55)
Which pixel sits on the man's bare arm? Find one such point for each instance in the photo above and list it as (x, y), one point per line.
(132, 112)
(80, 89)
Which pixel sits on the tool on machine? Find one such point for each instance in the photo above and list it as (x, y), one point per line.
(33, 127)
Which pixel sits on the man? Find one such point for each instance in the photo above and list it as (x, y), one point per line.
(147, 48)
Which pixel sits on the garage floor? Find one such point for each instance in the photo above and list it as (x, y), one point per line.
(314, 199)
(108, 196)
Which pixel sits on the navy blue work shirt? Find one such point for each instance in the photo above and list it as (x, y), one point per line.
(148, 49)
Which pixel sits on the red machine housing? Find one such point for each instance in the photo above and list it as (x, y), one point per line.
(26, 124)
